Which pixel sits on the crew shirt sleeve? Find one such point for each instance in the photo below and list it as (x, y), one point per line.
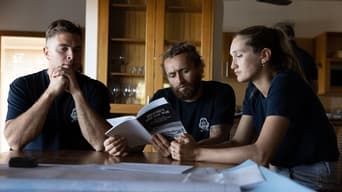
(99, 99)
(18, 99)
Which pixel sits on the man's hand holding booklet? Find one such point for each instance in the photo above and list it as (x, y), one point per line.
(156, 117)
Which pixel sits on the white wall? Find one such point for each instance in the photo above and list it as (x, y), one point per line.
(36, 15)
(311, 16)
(91, 20)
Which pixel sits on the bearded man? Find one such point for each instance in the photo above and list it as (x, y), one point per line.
(206, 108)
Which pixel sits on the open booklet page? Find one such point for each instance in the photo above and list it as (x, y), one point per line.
(159, 117)
(156, 117)
(129, 127)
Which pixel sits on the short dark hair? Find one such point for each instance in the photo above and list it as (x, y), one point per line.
(187, 48)
(62, 26)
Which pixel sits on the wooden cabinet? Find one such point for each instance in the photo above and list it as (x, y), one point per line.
(329, 60)
(133, 34)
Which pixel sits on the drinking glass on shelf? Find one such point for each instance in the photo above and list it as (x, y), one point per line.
(116, 92)
(141, 70)
(133, 94)
(133, 70)
(129, 94)
(126, 94)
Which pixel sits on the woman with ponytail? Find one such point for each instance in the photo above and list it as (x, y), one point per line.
(283, 125)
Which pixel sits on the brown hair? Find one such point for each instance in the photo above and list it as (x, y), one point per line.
(184, 48)
(282, 57)
(61, 26)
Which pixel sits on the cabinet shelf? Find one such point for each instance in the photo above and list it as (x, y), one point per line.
(184, 9)
(125, 108)
(128, 40)
(126, 74)
(141, 7)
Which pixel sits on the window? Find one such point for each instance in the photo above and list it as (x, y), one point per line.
(20, 55)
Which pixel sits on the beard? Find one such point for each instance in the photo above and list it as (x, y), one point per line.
(188, 90)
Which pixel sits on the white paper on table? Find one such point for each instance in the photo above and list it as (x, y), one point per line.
(54, 177)
(244, 176)
(148, 167)
(204, 174)
(273, 181)
(57, 185)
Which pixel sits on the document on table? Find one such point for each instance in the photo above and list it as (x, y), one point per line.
(142, 177)
(272, 181)
(54, 177)
(148, 167)
(245, 176)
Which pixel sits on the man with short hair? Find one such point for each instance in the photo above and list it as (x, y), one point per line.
(58, 108)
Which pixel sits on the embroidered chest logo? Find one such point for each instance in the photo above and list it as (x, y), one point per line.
(203, 124)
(73, 115)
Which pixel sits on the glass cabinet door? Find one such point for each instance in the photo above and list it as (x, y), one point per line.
(126, 51)
(183, 22)
(133, 35)
(189, 20)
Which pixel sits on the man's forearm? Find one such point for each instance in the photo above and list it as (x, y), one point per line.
(29, 124)
(92, 125)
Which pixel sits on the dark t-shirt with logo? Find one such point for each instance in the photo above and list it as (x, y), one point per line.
(215, 106)
(61, 129)
(310, 137)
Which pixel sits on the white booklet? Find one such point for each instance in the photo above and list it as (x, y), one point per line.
(156, 117)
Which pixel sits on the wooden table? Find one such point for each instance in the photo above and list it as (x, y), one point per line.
(88, 171)
(93, 157)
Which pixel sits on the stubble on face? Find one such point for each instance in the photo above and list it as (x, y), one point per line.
(188, 90)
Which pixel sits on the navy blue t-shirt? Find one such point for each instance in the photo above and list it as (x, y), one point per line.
(61, 129)
(310, 136)
(215, 106)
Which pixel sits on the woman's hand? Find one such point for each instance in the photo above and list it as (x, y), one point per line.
(116, 145)
(183, 148)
